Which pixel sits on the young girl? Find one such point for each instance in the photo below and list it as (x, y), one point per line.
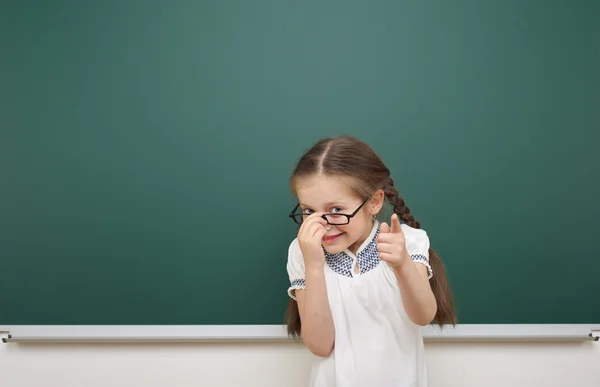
(360, 289)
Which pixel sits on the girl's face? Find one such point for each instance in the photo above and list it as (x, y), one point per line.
(332, 195)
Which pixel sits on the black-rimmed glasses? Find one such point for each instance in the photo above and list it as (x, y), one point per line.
(334, 219)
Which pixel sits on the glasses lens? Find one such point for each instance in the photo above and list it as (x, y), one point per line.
(337, 220)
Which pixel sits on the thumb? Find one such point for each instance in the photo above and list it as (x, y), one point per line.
(384, 228)
(396, 229)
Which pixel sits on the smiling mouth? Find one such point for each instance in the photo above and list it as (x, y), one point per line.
(331, 238)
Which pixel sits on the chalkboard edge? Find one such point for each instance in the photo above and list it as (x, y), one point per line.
(221, 333)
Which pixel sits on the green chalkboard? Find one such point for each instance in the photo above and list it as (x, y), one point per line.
(146, 148)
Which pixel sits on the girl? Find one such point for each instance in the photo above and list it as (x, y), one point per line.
(360, 289)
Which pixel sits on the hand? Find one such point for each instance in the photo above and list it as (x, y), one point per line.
(310, 235)
(391, 244)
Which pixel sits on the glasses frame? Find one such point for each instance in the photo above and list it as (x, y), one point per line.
(292, 215)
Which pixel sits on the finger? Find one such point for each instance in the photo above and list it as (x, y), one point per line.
(314, 217)
(396, 228)
(389, 238)
(316, 225)
(386, 248)
(315, 228)
(384, 228)
(390, 247)
(387, 257)
(320, 233)
(386, 238)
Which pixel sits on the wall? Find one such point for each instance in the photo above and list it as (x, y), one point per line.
(284, 365)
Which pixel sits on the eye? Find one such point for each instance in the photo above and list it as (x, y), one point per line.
(307, 211)
(336, 209)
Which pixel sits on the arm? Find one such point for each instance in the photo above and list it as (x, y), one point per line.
(412, 277)
(306, 265)
(417, 296)
(313, 305)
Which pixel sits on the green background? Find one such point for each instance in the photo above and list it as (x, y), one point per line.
(146, 148)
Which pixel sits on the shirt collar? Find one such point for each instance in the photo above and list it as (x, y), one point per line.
(368, 244)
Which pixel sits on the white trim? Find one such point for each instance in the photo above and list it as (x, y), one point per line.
(511, 332)
(194, 333)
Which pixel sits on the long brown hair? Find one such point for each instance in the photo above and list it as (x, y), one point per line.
(357, 163)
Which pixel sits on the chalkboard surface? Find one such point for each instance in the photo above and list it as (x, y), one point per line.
(146, 148)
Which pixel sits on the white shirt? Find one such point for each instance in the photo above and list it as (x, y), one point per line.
(376, 344)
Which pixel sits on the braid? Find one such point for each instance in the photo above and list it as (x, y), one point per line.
(445, 313)
(400, 207)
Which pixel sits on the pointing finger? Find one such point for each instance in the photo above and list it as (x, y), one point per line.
(396, 228)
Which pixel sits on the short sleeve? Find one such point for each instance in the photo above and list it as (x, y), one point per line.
(417, 245)
(295, 268)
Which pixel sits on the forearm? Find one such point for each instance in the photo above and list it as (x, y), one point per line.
(417, 296)
(317, 322)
